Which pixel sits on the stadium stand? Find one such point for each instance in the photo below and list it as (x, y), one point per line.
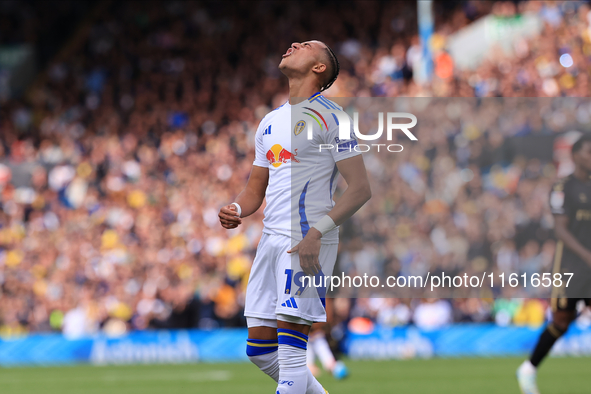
(113, 169)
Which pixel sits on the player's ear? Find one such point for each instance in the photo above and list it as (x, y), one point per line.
(319, 68)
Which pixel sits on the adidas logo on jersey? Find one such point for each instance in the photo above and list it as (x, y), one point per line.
(267, 130)
(291, 303)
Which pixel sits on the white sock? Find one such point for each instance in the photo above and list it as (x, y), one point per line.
(293, 371)
(297, 375)
(321, 348)
(268, 364)
(263, 354)
(294, 375)
(314, 386)
(310, 356)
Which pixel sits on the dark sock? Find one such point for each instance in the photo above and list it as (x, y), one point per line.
(545, 343)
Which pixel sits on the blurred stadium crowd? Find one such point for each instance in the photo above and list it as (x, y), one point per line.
(114, 167)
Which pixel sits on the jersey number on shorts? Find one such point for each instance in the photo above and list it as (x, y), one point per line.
(297, 279)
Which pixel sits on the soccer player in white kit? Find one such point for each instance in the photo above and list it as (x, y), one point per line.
(297, 173)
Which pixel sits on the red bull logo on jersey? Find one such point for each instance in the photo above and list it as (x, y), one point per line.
(278, 155)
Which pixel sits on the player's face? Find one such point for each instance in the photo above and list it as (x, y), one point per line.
(302, 57)
(583, 157)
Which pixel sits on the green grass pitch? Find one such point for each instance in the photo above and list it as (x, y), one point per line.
(442, 376)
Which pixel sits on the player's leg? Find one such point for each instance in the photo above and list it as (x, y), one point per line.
(340, 370)
(262, 350)
(294, 375)
(561, 319)
(563, 313)
(322, 350)
(262, 346)
(319, 346)
(297, 307)
(311, 356)
(260, 303)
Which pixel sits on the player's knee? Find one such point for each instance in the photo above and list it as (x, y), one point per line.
(558, 328)
(561, 320)
(263, 354)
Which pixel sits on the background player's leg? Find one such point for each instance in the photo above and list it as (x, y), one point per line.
(527, 372)
(311, 361)
(261, 346)
(339, 369)
(561, 319)
(294, 375)
(320, 345)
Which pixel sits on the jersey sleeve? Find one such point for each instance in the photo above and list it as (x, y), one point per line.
(260, 159)
(342, 148)
(558, 200)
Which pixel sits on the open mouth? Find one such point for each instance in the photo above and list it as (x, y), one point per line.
(289, 52)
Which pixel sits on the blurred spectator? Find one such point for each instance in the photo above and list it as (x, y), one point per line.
(432, 313)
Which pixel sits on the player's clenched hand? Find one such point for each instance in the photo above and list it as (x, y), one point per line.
(308, 250)
(229, 217)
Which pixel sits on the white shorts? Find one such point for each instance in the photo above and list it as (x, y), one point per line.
(275, 282)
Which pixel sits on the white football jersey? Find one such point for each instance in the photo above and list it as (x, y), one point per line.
(302, 176)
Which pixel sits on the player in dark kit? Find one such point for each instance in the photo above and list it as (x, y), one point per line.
(570, 202)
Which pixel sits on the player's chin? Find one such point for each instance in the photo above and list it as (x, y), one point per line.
(283, 63)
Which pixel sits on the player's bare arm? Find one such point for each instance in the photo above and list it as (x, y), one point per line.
(250, 199)
(358, 192)
(570, 241)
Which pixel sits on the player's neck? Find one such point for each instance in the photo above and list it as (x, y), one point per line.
(581, 174)
(301, 89)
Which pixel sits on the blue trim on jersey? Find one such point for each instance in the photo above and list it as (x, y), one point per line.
(312, 97)
(332, 177)
(328, 102)
(303, 219)
(335, 118)
(315, 97)
(323, 103)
